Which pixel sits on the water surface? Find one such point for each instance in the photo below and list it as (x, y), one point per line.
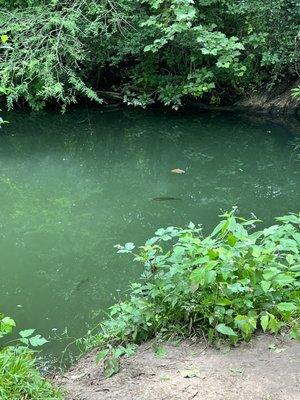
(73, 186)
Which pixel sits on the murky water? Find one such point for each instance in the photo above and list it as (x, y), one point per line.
(73, 186)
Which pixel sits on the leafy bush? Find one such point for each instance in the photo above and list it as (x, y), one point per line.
(296, 92)
(145, 50)
(19, 376)
(225, 286)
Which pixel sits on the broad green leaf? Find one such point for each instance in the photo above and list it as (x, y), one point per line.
(270, 273)
(283, 280)
(160, 352)
(225, 330)
(271, 230)
(289, 307)
(246, 324)
(119, 351)
(4, 38)
(295, 332)
(221, 227)
(256, 252)
(293, 218)
(7, 321)
(213, 254)
(37, 341)
(111, 366)
(265, 285)
(231, 239)
(264, 321)
(101, 355)
(6, 326)
(152, 241)
(274, 325)
(203, 276)
(26, 333)
(290, 259)
(223, 302)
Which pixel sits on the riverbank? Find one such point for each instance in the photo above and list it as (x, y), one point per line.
(224, 289)
(278, 102)
(267, 368)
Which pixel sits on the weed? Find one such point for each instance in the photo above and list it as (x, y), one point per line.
(225, 286)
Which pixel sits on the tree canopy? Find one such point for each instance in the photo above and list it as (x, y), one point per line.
(145, 50)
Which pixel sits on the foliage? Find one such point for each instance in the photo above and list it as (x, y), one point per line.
(296, 92)
(19, 376)
(225, 286)
(3, 45)
(145, 50)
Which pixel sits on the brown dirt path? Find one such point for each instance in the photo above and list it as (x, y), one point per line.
(249, 372)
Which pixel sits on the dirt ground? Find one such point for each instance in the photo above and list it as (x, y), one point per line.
(268, 368)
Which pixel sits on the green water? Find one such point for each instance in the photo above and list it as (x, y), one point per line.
(73, 186)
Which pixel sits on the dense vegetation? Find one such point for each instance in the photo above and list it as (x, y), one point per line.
(224, 286)
(19, 376)
(141, 51)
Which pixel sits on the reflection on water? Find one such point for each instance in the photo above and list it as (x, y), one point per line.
(72, 186)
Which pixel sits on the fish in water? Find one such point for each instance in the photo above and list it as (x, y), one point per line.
(178, 171)
(165, 198)
(80, 284)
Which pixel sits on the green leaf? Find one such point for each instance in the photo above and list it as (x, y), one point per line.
(111, 366)
(246, 324)
(221, 227)
(290, 259)
(270, 273)
(37, 341)
(119, 351)
(225, 330)
(7, 321)
(26, 333)
(283, 280)
(264, 321)
(213, 254)
(256, 252)
(295, 332)
(231, 239)
(6, 326)
(160, 352)
(222, 301)
(4, 38)
(274, 325)
(101, 355)
(265, 285)
(203, 276)
(127, 248)
(287, 307)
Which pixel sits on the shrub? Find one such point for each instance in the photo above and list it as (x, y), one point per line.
(19, 376)
(225, 286)
(145, 50)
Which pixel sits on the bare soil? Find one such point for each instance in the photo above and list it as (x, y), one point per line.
(279, 100)
(251, 371)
